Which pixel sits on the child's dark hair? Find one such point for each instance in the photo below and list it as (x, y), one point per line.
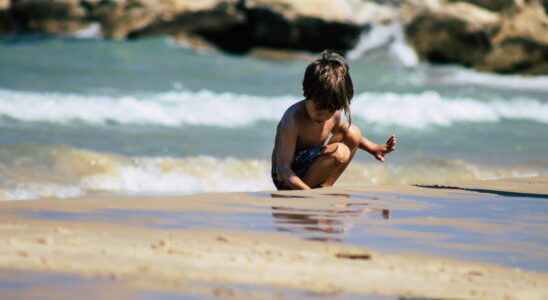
(327, 82)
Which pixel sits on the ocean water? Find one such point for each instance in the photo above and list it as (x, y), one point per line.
(150, 117)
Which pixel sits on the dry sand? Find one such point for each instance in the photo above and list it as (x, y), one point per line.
(142, 258)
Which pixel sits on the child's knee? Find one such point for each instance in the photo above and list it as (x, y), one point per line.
(352, 135)
(341, 155)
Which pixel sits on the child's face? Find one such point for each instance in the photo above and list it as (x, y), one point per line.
(318, 115)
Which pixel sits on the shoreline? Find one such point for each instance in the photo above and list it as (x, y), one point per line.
(144, 244)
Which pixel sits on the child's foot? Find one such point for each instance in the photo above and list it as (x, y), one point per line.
(386, 148)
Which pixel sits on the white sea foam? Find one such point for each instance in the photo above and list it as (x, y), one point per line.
(377, 36)
(430, 108)
(168, 109)
(67, 172)
(94, 30)
(401, 50)
(35, 190)
(507, 82)
(182, 176)
(390, 36)
(177, 108)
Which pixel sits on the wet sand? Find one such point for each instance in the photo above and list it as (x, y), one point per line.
(474, 240)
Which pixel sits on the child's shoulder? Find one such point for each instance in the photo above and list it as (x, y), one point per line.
(293, 115)
(294, 112)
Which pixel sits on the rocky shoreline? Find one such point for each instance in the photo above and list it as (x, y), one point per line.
(503, 36)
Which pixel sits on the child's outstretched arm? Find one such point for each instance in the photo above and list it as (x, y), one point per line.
(378, 151)
(284, 155)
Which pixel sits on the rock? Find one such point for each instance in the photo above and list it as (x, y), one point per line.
(6, 23)
(48, 16)
(118, 18)
(217, 23)
(521, 43)
(491, 35)
(283, 24)
(232, 25)
(516, 55)
(442, 38)
(528, 21)
(512, 41)
(267, 28)
(121, 19)
(312, 25)
(493, 5)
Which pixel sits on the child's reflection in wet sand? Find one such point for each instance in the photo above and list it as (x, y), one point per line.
(322, 224)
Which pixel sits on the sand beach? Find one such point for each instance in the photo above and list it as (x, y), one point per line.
(383, 241)
(136, 141)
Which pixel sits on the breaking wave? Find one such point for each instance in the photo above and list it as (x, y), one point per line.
(177, 108)
(31, 171)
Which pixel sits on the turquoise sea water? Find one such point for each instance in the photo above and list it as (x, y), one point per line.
(82, 116)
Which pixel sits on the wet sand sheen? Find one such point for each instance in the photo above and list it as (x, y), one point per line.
(339, 240)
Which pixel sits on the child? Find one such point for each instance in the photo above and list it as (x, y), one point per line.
(303, 157)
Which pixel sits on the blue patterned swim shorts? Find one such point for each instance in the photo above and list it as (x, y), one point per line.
(300, 164)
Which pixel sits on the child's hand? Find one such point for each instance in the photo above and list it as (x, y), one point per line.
(386, 148)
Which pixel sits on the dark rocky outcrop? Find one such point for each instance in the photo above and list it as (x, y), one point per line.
(47, 16)
(232, 25)
(267, 29)
(244, 29)
(5, 17)
(446, 39)
(496, 5)
(260, 25)
(507, 36)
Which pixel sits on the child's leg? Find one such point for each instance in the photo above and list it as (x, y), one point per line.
(328, 166)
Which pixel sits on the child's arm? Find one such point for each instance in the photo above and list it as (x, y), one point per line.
(287, 140)
(379, 151)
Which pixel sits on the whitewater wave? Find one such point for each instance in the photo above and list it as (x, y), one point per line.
(177, 108)
(93, 31)
(386, 35)
(430, 108)
(168, 109)
(30, 171)
(500, 81)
